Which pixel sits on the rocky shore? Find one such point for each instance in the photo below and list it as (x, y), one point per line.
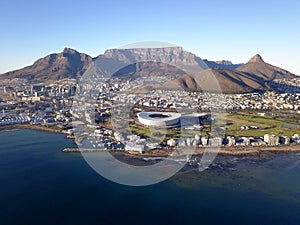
(199, 151)
(82, 150)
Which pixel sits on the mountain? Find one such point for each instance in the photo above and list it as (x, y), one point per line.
(175, 56)
(171, 55)
(256, 65)
(255, 75)
(223, 64)
(188, 71)
(194, 74)
(68, 64)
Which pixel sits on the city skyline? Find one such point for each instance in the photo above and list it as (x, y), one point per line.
(215, 30)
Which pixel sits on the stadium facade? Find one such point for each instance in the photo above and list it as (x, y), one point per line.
(159, 119)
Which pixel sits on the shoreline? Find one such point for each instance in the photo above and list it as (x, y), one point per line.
(31, 127)
(249, 151)
(40, 128)
(224, 150)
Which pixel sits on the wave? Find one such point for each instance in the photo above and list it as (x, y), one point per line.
(10, 130)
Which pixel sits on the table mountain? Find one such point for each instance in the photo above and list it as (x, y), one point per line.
(190, 72)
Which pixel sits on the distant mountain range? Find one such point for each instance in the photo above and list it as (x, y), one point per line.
(255, 75)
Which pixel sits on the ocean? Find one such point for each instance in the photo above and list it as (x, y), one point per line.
(39, 184)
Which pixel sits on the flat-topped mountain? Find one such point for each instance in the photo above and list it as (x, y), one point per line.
(190, 71)
(175, 56)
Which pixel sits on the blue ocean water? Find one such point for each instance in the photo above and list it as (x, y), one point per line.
(41, 185)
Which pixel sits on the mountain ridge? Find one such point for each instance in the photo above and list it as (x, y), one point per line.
(251, 76)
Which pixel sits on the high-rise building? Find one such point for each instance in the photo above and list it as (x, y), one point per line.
(230, 141)
(271, 139)
(284, 140)
(73, 90)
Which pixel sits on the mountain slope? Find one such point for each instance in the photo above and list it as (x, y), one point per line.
(229, 81)
(257, 66)
(68, 64)
(253, 76)
(223, 64)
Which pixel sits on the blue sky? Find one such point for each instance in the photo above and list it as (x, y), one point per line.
(234, 30)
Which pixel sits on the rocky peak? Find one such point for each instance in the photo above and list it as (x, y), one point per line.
(70, 51)
(224, 62)
(256, 59)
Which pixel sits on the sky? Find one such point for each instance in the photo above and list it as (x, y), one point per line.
(215, 30)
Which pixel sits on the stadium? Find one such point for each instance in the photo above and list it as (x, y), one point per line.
(159, 119)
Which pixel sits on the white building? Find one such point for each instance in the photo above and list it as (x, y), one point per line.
(171, 143)
(131, 146)
(204, 141)
(271, 139)
(159, 119)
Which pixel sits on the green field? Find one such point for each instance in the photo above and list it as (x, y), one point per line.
(277, 124)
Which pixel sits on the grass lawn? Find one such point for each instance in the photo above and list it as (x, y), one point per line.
(278, 125)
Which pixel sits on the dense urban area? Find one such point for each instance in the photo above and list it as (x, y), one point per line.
(65, 106)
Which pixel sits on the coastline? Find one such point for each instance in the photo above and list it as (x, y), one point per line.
(40, 128)
(249, 151)
(224, 150)
(31, 127)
